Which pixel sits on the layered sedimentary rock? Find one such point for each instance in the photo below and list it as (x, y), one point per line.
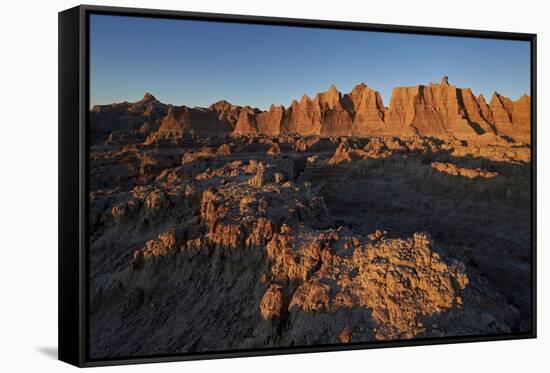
(182, 120)
(227, 112)
(335, 119)
(271, 121)
(521, 111)
(475, 111)
(501, 107)
(367, 108)
(434, 110)
(246, 123)
(512, 118)
(303, 117)
(127, 119)
(437, 110)
(485, 109)
(324, 115)
(440, 110)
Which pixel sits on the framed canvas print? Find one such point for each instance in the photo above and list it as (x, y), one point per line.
(238, 186)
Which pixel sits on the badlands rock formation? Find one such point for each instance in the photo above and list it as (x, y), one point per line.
(440, 110)
(227, 228)
(126, 121)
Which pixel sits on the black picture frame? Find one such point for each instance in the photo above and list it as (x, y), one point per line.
(73, 179)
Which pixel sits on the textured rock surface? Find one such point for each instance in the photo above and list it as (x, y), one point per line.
(436, 110)
(226, 112)
(452, 169)
(367, 108)
(521, 112)
(126, 122)
(335, 220)
(182, 121)
(272, 121)
(246, 124)
(230, 242)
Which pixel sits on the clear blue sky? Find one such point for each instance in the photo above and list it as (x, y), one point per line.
(197, 63)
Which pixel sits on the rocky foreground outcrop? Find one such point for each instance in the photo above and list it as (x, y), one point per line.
(254, 242)
(440, 110)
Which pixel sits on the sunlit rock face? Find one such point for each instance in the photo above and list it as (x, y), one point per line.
(437, 109)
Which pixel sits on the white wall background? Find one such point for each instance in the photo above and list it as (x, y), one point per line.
(28, 184)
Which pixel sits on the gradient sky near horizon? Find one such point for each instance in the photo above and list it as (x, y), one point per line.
(197, 63)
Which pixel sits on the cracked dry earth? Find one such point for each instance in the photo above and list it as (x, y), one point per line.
(232, 243)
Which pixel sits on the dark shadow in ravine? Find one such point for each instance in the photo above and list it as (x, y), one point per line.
(483, 222)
